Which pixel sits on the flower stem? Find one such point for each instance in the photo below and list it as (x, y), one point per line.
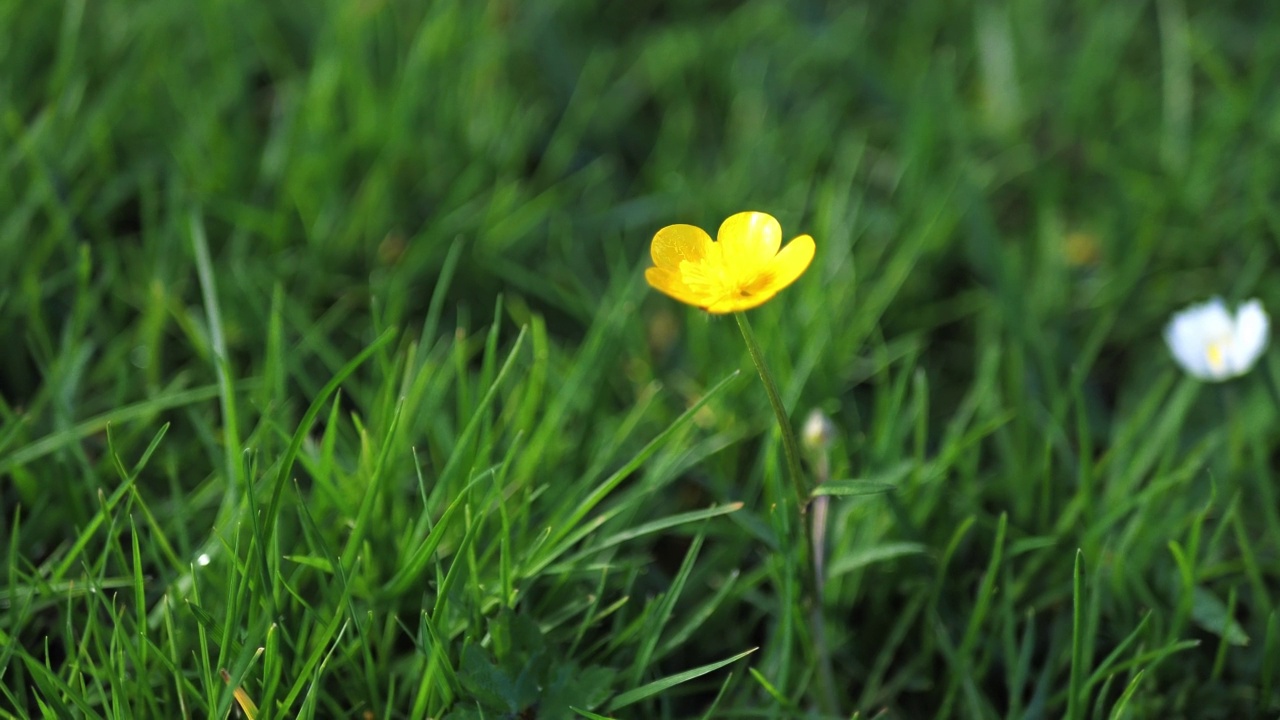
(809, 541)
(818, 541)
(784, 422)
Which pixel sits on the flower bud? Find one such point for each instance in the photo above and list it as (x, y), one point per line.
(819, 432)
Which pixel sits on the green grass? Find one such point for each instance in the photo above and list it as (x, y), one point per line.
(329, 363)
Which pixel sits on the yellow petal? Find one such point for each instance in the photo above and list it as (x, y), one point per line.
(674, 243)
(750, 238)
(669, 282)
(790, 263)
(735, 303)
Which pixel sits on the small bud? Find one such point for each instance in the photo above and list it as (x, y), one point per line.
(819, 432)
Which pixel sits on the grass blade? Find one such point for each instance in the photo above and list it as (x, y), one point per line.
(657, 686)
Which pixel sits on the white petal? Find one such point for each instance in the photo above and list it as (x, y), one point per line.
(1251, 332)
(1184, 342)
(1213, 319)
(1186, 338)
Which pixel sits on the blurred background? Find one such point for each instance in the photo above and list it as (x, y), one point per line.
(351, 143)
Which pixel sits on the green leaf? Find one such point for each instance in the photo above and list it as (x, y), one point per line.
(486, 681)
(571, 687)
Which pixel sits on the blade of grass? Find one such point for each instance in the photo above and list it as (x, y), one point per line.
(601, 491)
(662, 611)
(631, 697)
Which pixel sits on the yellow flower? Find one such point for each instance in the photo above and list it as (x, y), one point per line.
(740, 270)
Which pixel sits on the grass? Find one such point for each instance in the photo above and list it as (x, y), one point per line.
(330, 368)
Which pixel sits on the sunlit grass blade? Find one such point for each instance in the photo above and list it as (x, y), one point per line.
(782, 700)
(97, 424)
(416, 562)
(662, 610)
(859, 559)
(1119, 711)
(1076, 684)
(218, 347)
(644, 529)
(602, 490)
(844, 488)
(247, 706)
(304, 427)
(636, 695)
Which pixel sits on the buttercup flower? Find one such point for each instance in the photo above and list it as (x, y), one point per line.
(741, 269)
(1212, 345)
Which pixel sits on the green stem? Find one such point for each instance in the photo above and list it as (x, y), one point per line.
(826, 679)
(784, 422)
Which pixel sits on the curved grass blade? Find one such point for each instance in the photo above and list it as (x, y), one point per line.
(657, 686)
(304, 427)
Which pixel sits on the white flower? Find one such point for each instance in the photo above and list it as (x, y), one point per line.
(1210, 344)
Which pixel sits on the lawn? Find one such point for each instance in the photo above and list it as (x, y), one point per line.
(332, 386)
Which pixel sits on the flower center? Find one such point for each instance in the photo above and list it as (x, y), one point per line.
(717, 281)
(1216, 352)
